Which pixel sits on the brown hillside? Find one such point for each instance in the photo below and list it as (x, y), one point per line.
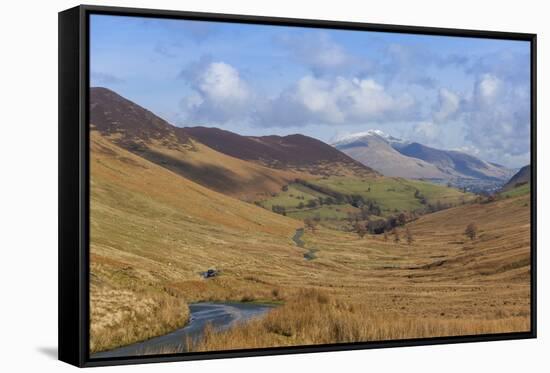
(143, 133)
(523, 176)
(132, 125)
(157, 221)
(282, 152)
(151, 229)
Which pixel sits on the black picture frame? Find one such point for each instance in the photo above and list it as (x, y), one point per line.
(74, 185)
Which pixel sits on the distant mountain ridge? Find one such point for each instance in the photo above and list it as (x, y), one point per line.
(281, 152)
(523, 176)
(240, 166)
(415, 160)
(376, 151)
(456, 163)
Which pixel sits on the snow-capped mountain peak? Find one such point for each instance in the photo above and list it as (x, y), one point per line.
(350, 138)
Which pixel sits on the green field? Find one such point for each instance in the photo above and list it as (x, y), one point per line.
(395, 194)
(292, 197)
(333, 212)
(392, 195)
(517, 191)
(301, 200)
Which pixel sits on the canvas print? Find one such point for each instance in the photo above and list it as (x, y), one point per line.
(258, 186)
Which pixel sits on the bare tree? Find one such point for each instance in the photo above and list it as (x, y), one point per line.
(471, 231)
(360, 229)
(396, 237)
(401, 219)
(310, 224)
(385, 235)
(409, 236)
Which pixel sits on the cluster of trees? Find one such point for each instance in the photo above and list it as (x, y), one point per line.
(313, 203)
(367, 206)
(311, 223)
(430, 207)
(408, 235)
(278, 209)
(337, 198)
(380, 225)
(420, 197)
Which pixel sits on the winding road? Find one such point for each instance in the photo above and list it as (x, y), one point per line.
(297, 238)
(220, 315)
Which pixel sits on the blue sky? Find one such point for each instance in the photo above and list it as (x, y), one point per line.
(447, 92)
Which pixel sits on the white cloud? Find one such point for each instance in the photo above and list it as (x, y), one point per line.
(492, 119)
(448, 105)
(322, 55)
(221, 82)
(336, 100)
(318, 98)
(219, 94)
(426, 131)
(487, 89)
(468, 149)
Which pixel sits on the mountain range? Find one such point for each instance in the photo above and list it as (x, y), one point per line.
(253, 167)
(245, 167)
(395, 157)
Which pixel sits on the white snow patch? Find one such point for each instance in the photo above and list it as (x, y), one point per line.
(349, 138)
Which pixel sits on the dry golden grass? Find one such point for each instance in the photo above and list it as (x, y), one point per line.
(244, 180)
(121, 317)
(153, 231)
(313, 317)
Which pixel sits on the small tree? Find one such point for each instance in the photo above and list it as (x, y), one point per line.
(396, 237)
(471, 231)
(360, 229)
(310, 224)
(385, 236)
(311, 203)
(408, 236)
(401, 219)
(279, 209)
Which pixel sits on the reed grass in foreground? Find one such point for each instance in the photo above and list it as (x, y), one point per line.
(120, 317)
(313, 317)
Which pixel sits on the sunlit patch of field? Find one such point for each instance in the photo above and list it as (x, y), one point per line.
(395, 194)
(153, 232)
(520, 190)
(391, 195)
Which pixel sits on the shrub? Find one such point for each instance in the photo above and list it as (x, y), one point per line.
(471, 231)
(408, 236)
(396, 237)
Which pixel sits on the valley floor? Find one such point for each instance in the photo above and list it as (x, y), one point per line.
(440, 285)
(153, 233)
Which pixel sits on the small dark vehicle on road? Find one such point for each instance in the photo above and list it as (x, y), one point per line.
(210, 273)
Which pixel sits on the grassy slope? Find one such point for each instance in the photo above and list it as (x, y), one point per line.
(394, 193)
(244, 180)
(441, 285)
(517, 191)
(391, 194)
(153, 231)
